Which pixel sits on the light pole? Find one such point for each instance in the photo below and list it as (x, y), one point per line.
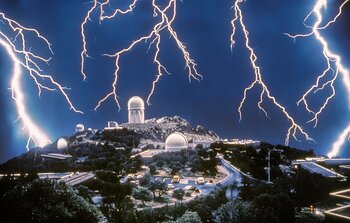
(269, 165)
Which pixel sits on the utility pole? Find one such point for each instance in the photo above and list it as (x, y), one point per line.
(269, 165)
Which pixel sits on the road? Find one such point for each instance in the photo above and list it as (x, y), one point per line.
(236, 170)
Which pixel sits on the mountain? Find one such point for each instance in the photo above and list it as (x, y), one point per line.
(153, 131)
(158, 130)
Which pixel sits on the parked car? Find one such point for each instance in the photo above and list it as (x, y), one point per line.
(176, 179)
(170, 186)
(130, 176)
(189, 187)
(200, 180)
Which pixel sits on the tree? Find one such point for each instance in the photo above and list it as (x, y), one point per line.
(152, 169)
(120, 212)
(158, 188)
(45, 201)
(175, 168)
(145, 180)
(311, 188)
(235, 211)
(109, 186)
(273, 209)
(179, 193)
(142, 193)
(160, 163)
(187, 217)
(205, 162)
(134, 164)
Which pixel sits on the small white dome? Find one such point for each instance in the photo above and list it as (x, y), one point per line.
(176, 142)
(62, 144)
(79, 128)
(136, 103)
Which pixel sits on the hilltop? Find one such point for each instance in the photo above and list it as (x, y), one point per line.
(158, 130)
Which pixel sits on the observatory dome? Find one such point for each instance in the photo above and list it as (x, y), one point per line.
(176, 142)
(136, 103)
(62, 144)
(79, 128)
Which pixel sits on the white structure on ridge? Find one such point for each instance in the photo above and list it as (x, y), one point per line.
(111, 125)
(136, 110)
(176, 142)
(62, 144)
(79, 128)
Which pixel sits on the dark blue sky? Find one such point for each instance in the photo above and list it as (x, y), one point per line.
(289, 68)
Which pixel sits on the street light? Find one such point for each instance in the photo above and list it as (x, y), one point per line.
(269, 165)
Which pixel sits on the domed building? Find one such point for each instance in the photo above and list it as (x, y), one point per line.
(62, 144)
(79, 128)
(176, 142)
(136, 110)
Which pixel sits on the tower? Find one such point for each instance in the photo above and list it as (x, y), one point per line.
(136, 110)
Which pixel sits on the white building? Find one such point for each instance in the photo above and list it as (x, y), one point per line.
(176, 142)
(62, 144)
(111, 125)
(136, 110)
(79, 128)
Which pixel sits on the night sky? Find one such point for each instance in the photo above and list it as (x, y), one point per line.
(289, 68)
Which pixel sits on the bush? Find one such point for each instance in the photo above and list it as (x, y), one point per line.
(45, 201)
(160, 163)
(187, 217)
(188, 193)
(179, 193)
(142, 193)
(164, 199)
(145, 180)
(152, 169)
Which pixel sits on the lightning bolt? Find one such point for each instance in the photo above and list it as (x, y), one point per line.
(258, 81)
(166, 17)
(21, 57)
(84, 53)
(329, 75)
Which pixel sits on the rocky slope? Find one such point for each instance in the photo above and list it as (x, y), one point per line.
(159, 129)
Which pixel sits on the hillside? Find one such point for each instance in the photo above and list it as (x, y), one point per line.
(159, 129)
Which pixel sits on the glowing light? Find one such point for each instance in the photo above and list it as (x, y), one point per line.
(21, 57)
(166, 16)
(35, 134)
(84, 54)
(339, 142)
(258, 81)
(332, 71)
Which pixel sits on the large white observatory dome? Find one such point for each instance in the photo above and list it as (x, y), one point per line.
(136, 103)
(136, 110)
(176, 142)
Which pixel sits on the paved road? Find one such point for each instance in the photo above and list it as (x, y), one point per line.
(236, 171)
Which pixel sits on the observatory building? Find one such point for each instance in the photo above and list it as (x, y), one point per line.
(111, 125)
(176, 142)
(62, 144)
(79, 128)
(136, 110)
